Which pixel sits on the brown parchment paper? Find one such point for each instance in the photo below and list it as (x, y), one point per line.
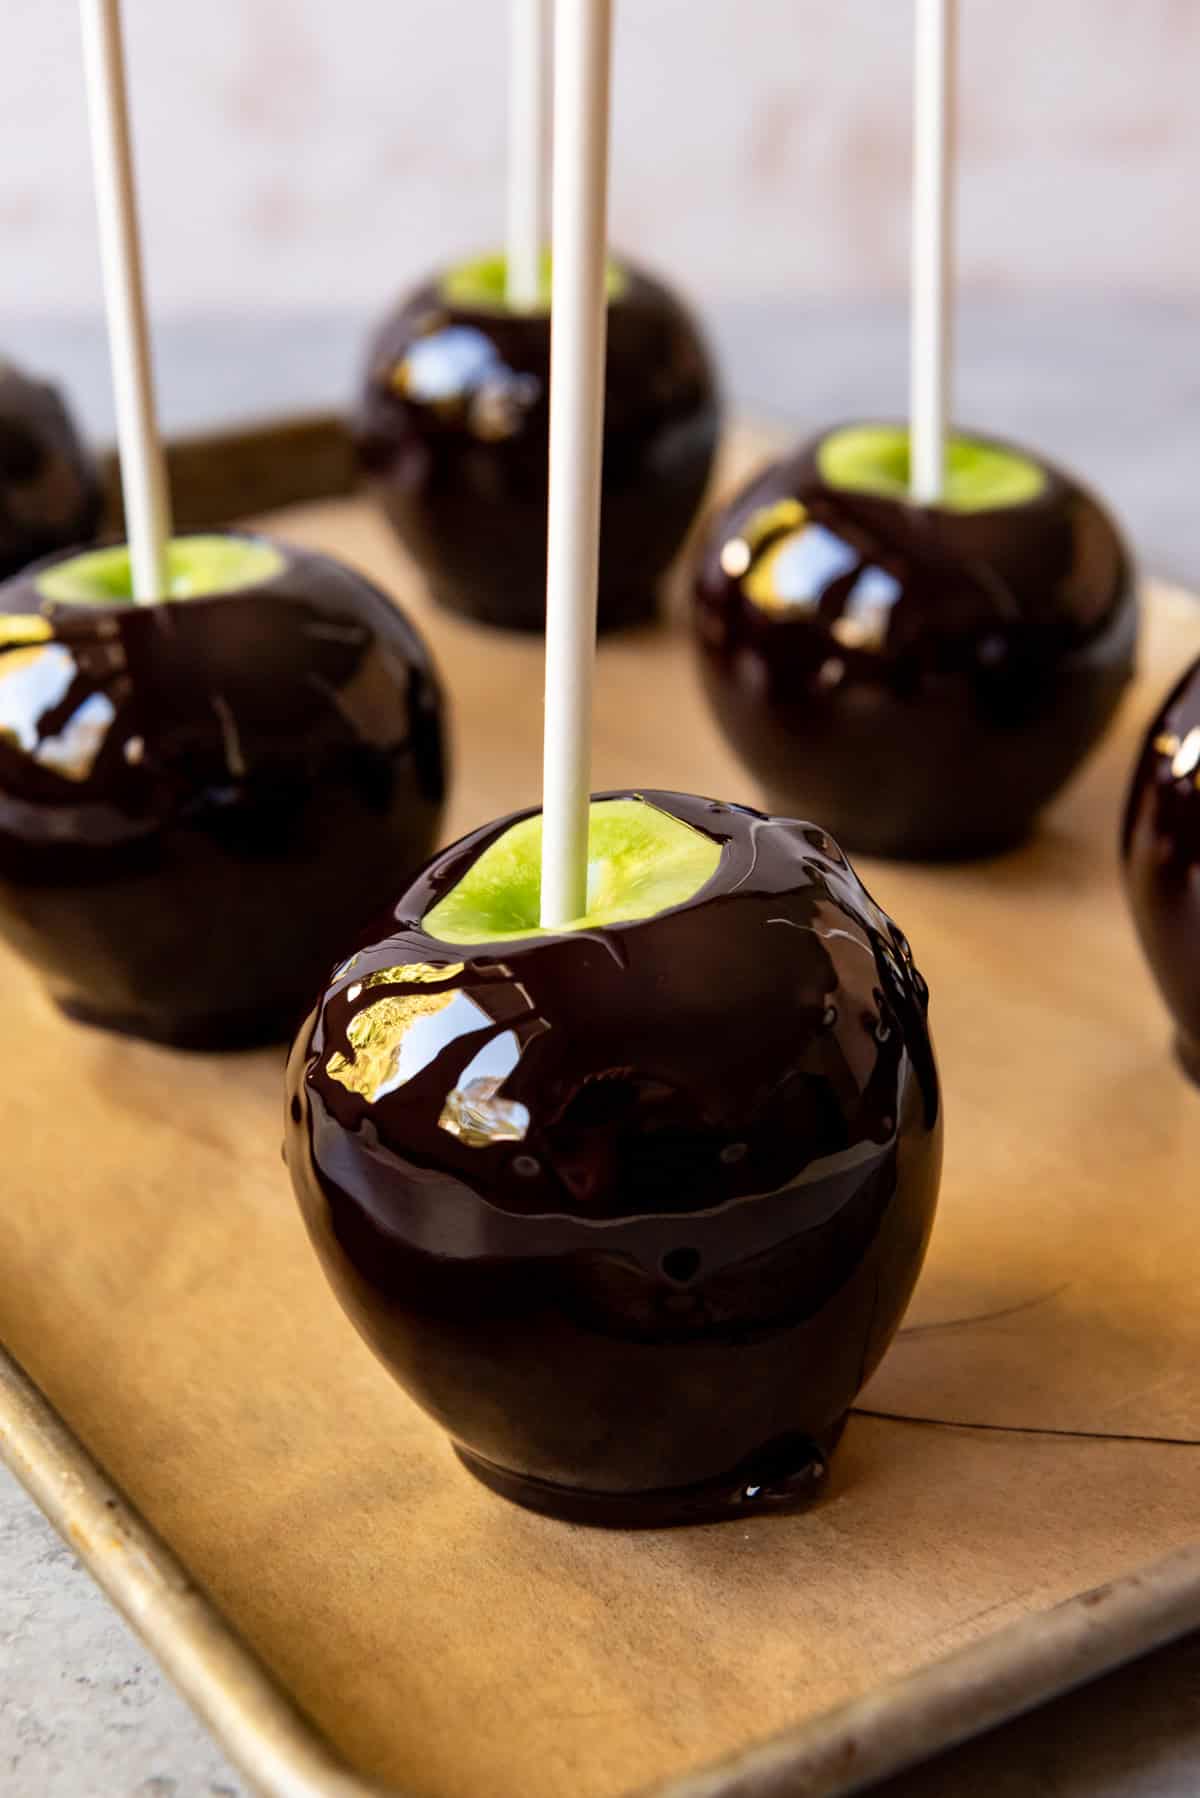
(155, 1279)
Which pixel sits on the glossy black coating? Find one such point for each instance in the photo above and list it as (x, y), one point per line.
(1161, 853)
(453, 428)
(646, 1204)
(50, 493)
(923, 681)
(200, 800)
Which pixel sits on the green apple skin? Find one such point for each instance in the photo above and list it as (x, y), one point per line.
(453, 432)
(481, 284)
(980, 475)
(199, 798)
(199, 567)
(632, 1208)
(923, 679)
(641, 861)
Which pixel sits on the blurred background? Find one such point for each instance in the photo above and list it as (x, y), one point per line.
(300, 162)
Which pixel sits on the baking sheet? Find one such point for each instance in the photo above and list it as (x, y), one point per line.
(155, 1279)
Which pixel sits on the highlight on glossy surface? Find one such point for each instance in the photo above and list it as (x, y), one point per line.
(1161, 856)
(198, 802)
(923, 679)
(633, 1211)
(49, 485)
(453, 434)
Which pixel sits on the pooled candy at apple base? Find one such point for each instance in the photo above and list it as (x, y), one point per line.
(201, 797)
(923, 679)
(453, 427)
(633, 1207)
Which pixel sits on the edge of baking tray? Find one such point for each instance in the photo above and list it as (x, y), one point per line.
(282, 1754)
(259, 467)
(247, 469)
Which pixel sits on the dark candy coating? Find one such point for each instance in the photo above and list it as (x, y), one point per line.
(50, 495)
(640, 1208)
(922, 680)
(454, 431)
(199, 800)
(1161, 850)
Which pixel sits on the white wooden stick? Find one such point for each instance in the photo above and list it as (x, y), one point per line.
(143, 468)
(582, 56)
(932, 246)
(529, 36)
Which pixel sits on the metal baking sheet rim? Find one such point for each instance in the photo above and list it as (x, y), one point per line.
(282, 1755)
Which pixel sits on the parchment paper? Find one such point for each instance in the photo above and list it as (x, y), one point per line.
(155, 1278)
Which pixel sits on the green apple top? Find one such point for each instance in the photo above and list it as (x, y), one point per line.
(980, 476)
(481, 285)
(641, 862)
(196, 567)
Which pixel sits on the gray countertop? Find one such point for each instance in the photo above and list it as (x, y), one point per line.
(1114, 391)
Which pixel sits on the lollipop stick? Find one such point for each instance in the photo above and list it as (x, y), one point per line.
(529, 33)
(583, 43)
(932, 246)
(143, 470)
